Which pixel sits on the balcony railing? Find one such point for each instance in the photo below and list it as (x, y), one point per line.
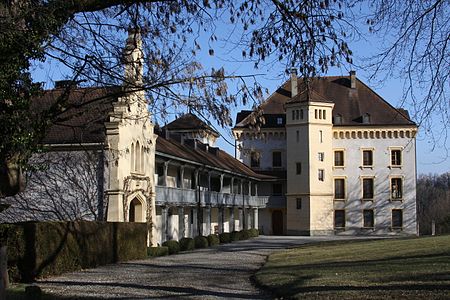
(176, 196)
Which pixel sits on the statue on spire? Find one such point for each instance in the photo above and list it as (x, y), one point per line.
(133, 58)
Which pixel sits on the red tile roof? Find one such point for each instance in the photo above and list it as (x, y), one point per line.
(350, 103)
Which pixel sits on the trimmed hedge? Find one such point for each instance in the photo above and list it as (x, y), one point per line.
(37, 249)
(213, 240)
(225, 237)
(253, 232)
(245, 234)
(174, 246)
(187, 244)
(235, 236)
(157, 251)
(200, 242)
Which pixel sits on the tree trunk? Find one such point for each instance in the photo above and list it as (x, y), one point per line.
(4, 278)
(12, 179)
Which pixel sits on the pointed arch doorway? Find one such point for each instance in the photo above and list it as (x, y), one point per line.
(135, 211)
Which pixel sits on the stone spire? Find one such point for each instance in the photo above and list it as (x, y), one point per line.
(133, 58)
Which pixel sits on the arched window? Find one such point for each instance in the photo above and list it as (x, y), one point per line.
(138, 157)
(142, 169)
(132, 158)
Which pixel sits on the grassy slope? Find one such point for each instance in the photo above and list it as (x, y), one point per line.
(389, 269)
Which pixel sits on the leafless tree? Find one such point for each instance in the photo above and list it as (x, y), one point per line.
(433, 202)
(63, 186)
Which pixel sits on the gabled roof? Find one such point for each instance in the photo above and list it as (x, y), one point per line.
(83, 120)
(211, 157)
(350, 103)
(188, 122)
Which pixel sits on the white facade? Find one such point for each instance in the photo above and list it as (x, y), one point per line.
(373, 191)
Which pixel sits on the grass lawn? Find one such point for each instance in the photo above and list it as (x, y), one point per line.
(414, 268)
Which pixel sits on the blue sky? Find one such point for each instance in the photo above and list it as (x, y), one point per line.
(432, 156)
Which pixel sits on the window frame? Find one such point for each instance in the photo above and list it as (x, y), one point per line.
(321, 175)
(334, 219)
(298, 168)
(297, 202)
(258, 156)
(363, 178)
(343, 158)
(372, 219)
(344, 179)
(401, 218)
(391, 151)
(281, 159)
(391, 192)
(321, 156)
(363, 162)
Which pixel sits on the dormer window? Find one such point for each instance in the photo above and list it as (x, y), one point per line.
(279, 121)
(338, 119)
(366, 119)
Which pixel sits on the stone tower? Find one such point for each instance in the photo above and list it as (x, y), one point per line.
(309, 161)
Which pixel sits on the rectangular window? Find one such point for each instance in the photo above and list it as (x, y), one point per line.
(321, 175)
(368, 218)
(320, 136)
(315, 114)
(301, 114)
(321, 156)
(368, 188)
(297, 113)
(396, 188)
(397, 218)
(277, 189)
(339, 158)
(299, 203)
(293, 115)
(254, 159)
(279, 121)
(276, 159)
(298, 169)
(324, 114)
(297, 136)
(396, 157)
(339, 188)
(367, 158)
(339, 218)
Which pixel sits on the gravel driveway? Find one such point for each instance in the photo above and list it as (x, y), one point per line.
(221, 272)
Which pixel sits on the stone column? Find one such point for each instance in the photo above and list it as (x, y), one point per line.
(182, 177)
(194, 222)
(255, 218)
(164, 223)
(241, 219)
(166, 167)
(232, 222)
(207, 214)
(220, 219)
(181, 227)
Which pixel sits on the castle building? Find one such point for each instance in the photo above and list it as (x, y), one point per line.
(333, 158)
(344, 159)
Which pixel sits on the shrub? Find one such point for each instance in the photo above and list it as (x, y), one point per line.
(235, 236)
(213, 239)
(200, 242)
(37, 249)
(225, 237)
(254, 232)
(174, 246)
(245, 234)
(187, 244)
(157, 251)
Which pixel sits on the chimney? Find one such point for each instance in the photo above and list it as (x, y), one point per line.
(133, 57)
(353, 79)
(63, 84)
(294, 89)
